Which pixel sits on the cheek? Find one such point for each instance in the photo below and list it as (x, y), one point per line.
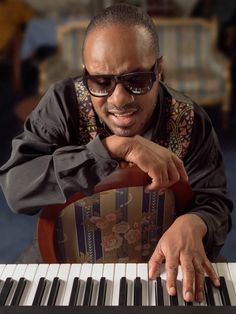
(149, 103)
(98, 104)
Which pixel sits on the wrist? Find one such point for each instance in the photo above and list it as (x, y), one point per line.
(195, 222)
(117, 146)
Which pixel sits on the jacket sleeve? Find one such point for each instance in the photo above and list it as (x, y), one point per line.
(47, 165)
(204, 164)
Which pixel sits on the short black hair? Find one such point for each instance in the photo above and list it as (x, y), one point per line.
(125, 14)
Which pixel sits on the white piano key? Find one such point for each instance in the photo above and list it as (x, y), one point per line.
(2, 266)
(29, 276)
(119, 272)
(63, 273)
(163, 280)
(151, 292)
(7, 272)
(17, 274)
(179, 286)
(41, 271)
(108, 273)
(86, 272)
(131, 274)
(232, 270)
(222, 269)
(97, 273)
(142, 272)
(50, 275)
(74, 272)
(216, 292)
(203, 303)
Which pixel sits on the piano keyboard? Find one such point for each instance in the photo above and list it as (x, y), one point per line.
(103, 284)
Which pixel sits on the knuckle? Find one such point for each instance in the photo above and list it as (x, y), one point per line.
(189, 269)
(175, 176)
(199, 271)
(172, 269)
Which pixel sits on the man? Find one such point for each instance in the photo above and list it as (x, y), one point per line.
(120, 110)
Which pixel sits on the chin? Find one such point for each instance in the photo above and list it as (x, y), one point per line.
(124, 132)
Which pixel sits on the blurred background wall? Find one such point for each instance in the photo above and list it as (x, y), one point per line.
(32, 57)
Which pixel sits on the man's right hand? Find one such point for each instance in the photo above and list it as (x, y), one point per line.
(161, 165)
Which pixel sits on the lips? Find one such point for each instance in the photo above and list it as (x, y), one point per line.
(122, 114)
(123, 119)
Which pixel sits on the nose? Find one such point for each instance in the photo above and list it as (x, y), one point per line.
(120, 96)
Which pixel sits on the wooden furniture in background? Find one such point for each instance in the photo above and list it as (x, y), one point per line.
(192, 62)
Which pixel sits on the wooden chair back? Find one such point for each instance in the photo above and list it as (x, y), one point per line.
(118, 223)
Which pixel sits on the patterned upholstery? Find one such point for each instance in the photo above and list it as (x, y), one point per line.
(118, 223)
(192, 63)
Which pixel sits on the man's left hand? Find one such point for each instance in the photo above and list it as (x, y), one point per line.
(182, 244)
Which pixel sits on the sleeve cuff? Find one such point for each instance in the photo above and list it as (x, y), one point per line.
(99, 152)
(212, 250)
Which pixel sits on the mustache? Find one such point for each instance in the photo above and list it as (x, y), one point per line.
(123, 108)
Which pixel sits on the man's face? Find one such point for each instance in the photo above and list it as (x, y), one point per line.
(120, 50)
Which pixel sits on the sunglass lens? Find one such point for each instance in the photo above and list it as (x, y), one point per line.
(99, 85)
(140, 84)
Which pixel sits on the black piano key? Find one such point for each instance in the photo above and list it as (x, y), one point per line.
(159, 292)
(208, 292)
(54, 291)
(123, 291)
(102, 292)
(188, 303)
(39, 292)
(174, 300)
(224, 292)
(74, 292)
(137, 291)
(6, 290)
(19, 291)
(88, 291)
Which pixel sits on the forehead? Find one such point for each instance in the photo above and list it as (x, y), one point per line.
(118, 48)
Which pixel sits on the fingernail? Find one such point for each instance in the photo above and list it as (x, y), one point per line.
(217, 282)
(172, 291)
(200, 296)
(188, 295)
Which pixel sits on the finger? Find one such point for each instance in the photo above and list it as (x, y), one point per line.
(173, 173)
(154, 185)
(188, 279)
(199, 281)
(172, 264)
(180, 167)
(159, 182)
(211, 273)
(154, 264)
(161, 191)
(165, 178)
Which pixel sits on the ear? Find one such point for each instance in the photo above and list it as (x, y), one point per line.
(160, 68)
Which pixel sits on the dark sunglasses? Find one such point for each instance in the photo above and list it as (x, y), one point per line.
(135, 83)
